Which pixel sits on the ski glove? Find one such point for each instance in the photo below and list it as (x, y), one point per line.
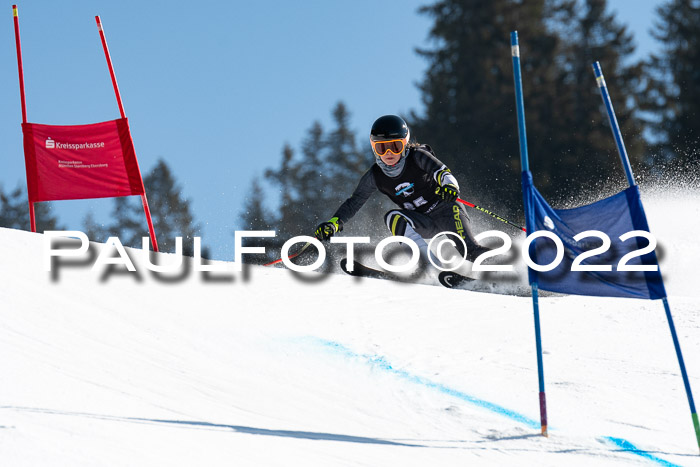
(326, 230)
(447, 192)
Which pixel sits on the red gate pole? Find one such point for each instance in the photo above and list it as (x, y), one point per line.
(19, 64)
(144, 200)
(151, 230)
(109, 65)
(20, 69)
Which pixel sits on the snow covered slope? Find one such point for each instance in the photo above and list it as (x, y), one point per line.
(267, 369)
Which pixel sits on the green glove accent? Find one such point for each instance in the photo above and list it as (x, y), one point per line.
(326, 230)
(447, 192)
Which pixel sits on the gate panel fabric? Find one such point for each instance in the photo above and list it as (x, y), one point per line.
(66, 162)
(614, 216)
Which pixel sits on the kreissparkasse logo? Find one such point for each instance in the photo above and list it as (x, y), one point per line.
(53, 144)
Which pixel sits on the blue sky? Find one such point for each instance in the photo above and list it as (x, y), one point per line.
(217, 88)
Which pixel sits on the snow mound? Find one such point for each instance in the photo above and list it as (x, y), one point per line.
(269, 368)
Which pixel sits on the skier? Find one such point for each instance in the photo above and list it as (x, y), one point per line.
(413, 178)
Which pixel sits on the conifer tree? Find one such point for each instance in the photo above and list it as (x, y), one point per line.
(344, 161)
(313, 183)
(469, 106)
(673, 91)
(284, 189)
(169, 210)
(585, 151)
(14, 212)
(95, 231)
(255, 217)
(128, 222)
(323, 175)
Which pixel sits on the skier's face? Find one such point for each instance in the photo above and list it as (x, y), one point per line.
(390, 158)
(390, 151)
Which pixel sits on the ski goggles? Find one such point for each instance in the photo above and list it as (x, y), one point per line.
(396, 146)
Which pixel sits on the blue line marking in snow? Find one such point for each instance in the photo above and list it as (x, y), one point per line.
(382, 364)
(629, 447)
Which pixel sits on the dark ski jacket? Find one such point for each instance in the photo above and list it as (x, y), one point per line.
(413, 189)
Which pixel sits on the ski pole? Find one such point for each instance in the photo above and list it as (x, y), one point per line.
(495, 216)
(290, 256)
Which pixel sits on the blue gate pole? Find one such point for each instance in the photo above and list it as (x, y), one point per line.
(613, 123)
(630, 178)
(525, 165)
(684, 374)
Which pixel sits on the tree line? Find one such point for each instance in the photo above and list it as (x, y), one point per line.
(170, 212)
(468, 114)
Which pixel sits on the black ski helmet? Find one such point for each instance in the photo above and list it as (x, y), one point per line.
(388, 127)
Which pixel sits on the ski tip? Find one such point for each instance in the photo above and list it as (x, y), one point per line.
(451, 279)
(344, 267)
(446, 280)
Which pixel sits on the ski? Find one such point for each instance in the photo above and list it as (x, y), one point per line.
(449, 279)
(360, 270)
(453, 280)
